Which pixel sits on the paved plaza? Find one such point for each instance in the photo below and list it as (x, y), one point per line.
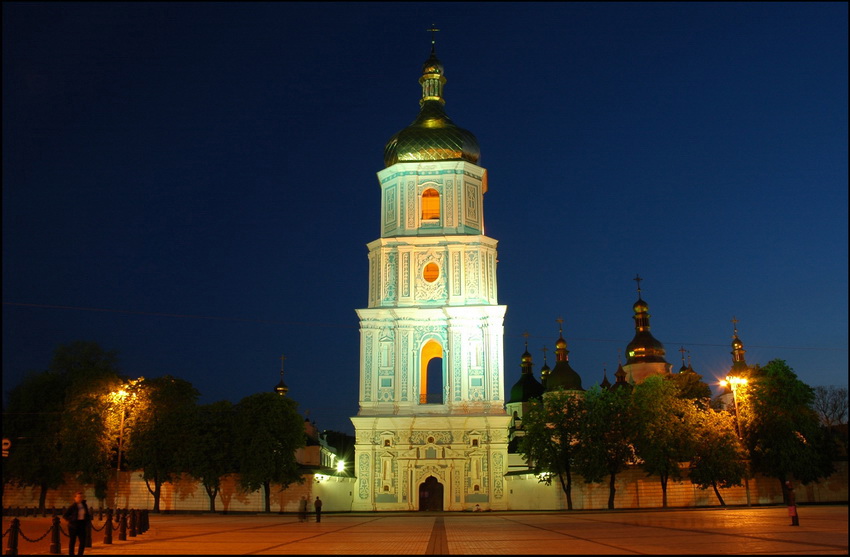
(732, 531)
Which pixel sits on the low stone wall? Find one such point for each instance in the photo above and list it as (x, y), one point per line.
(635, 490)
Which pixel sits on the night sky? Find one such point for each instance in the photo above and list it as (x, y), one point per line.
(193, 185)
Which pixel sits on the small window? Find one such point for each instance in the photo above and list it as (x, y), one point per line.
(386, 442)
(475, 442)
(431, 440)
(432, 271)
(430, 204)
(476, 488)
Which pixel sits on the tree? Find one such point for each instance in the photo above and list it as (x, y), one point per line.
(604, 446)
(32, 421)
(780, 429)
(831, 405)
(551, 434)
(268, 430)
(210, 452)
(162, 431)
(719, 459)
(91, 373)
(663, 429)
(58, 417)
(691, 386)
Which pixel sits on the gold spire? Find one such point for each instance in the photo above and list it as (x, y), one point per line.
(737, 347)
(281, 387)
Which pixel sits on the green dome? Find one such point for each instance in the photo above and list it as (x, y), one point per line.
(526, 389)
(563, 376)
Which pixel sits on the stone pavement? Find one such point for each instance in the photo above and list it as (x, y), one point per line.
(731, 531)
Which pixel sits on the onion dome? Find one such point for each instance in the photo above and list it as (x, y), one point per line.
(527, 387)
(545, 372)
(432, 136)
(644, 348)
(738, 361)
(281, 387)
(563, 376)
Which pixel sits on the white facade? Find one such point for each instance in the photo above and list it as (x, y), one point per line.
(431, 430)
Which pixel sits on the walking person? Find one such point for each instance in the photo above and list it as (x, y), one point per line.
(302, 509)
(79, 517)
(318, 505)
(792, 503)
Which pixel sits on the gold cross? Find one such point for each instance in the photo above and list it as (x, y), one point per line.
(433, 30)
(638, 279)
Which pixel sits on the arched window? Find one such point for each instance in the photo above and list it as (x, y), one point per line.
(430, 204)
(431, 373)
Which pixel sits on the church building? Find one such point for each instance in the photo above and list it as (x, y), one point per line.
(431, 429)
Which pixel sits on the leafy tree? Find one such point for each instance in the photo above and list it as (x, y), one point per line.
(551, 433)
(781, 430)
(90, 372)
(663, 429)
(691, 386)
(32, 421)
(268, 430)
(719, 459)
(210, 452)
(605, 446)
(58, 417)
(162, 431)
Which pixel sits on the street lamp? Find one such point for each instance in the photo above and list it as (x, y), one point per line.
(733, 383)
(120, 398)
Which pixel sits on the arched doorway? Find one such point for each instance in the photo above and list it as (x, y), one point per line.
(431, 495)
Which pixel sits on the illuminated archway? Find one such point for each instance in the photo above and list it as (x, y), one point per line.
(431, 373)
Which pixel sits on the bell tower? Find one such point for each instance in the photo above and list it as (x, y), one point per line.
(431, 430)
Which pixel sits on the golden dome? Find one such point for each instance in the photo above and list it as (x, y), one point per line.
(640, 306)
(432, 136)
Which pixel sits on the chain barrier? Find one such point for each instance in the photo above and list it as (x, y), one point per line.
(138, 521)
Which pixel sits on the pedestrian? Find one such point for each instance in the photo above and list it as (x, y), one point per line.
(792, 503)
(79, 517)
(302, 509)
(318, 505)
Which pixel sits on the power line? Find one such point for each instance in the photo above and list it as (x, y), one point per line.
(180, 315)
(336, 325)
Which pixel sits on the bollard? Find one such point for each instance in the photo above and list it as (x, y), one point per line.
(88, 533)
(12, 547)
(132, 528)
(122, 527)
(107, 529)
(55, 545)
(100, 514)
(145, 521)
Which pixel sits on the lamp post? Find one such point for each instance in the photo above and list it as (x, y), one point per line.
(733, 383)
(120, 396)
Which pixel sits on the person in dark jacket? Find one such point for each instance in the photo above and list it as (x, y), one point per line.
(318, 505)
(79, 517)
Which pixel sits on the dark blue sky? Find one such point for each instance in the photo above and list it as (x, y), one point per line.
(193, 185)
